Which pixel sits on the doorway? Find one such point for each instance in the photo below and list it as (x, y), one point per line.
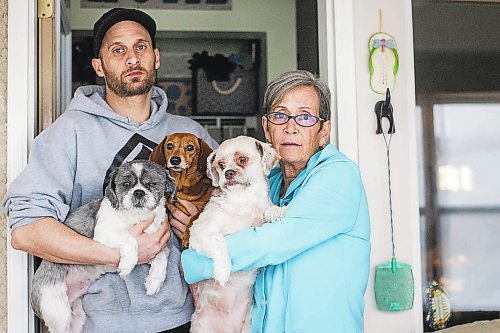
(282, 57)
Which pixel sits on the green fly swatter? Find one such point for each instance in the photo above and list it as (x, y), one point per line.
(394, 287)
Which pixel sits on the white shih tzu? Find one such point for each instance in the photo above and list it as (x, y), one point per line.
(135, 193)
(238, 169)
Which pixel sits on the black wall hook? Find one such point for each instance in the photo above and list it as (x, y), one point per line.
(384, 109)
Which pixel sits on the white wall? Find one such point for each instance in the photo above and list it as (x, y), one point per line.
(276, 18)
(397, 21)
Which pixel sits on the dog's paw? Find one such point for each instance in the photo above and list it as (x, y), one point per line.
(157, 272)
(153, 285)
(128, 256)
(221, 273)
(124, 271)
(274, 213)
(126, 266)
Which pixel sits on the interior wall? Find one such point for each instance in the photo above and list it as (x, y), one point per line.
(276, 18)
(3, 164)
(373, 160)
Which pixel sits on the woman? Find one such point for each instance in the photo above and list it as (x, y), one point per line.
(315, 261)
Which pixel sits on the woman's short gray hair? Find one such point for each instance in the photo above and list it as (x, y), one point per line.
(287, 81)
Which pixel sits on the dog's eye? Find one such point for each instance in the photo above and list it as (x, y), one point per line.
(190, 148)
(242, 160)
(170, 146)
(127, 184)
(221, 165)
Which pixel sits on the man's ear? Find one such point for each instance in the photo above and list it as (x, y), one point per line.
(96, 63)
(211, 171)
(157, 58)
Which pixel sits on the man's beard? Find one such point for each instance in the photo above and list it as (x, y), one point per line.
(122, 88)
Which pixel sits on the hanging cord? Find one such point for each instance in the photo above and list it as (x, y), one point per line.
(380, 20)
(387, 145)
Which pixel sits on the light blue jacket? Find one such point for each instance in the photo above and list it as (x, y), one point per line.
(314, 263)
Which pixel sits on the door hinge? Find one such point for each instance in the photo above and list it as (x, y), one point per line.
(45, 8)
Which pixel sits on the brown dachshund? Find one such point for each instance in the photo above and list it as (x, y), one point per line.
(185, 156)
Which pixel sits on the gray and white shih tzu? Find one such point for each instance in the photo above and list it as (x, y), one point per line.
(136, 192)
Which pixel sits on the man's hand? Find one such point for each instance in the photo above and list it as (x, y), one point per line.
(179, 220)
(150, 244)
(194, 291)
(193, 287)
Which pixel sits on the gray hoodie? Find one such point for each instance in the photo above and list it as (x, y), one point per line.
(67, 167)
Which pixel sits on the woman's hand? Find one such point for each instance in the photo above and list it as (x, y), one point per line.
(149, 245)
(181, 220)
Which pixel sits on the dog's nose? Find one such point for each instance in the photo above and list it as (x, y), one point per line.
(175, 160)
(229, 174)
(139, 193)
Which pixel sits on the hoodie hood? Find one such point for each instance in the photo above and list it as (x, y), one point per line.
(91, 100)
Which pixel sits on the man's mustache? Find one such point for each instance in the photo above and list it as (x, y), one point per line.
(136, 69)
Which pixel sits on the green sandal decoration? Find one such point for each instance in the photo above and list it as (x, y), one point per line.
(383, 62)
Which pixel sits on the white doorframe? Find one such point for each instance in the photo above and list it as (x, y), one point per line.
(326, 58)
(21, 83)
(64, 50)
(337, 67)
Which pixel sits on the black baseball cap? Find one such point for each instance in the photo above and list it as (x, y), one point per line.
(116, 15)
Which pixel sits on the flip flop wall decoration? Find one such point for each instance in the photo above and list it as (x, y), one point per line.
(383, 62)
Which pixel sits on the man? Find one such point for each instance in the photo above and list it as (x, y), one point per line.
(102, 128)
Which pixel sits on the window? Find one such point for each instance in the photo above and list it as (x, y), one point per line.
(460, 201)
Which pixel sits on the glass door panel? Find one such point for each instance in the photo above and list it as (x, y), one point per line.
(460, 205)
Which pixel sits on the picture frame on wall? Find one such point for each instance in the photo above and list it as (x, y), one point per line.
(159, 4)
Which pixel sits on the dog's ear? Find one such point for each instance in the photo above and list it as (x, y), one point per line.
(205, 150)
(211, 171)
(158, 155)
(110, 191)
(269, 156)
(170, 186)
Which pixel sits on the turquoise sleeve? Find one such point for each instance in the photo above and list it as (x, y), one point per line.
(196, 266)
(325, 206)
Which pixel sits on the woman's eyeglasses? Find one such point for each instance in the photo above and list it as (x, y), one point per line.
(304, 120)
